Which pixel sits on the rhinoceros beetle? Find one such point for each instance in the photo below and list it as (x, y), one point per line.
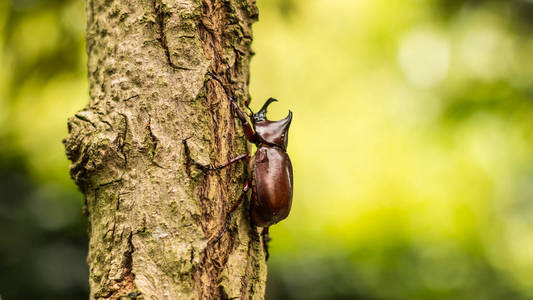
(270, 168)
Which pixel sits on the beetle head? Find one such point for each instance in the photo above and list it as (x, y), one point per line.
(275, 132)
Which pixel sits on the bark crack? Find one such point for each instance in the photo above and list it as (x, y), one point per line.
(155, 143)
(85, 119)
(103, 120)
(188, 159)
(160, 16)
(125, 285)
(122, 140)
(129, 98)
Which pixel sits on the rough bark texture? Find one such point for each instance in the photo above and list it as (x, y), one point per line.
(151, 211)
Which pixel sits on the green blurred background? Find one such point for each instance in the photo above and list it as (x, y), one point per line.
(412, 144)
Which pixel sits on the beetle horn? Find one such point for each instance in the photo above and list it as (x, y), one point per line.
(286, 122)
(283, 130)
(261, 114)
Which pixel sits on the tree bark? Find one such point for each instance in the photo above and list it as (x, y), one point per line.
(151, 210)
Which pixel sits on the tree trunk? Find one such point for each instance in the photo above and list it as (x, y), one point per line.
(151, 210)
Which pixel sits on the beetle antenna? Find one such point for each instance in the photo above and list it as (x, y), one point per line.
(247, 104)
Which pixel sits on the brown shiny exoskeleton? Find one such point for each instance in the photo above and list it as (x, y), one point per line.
(270, 168)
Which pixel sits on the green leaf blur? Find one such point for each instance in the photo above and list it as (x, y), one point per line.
(412, 147)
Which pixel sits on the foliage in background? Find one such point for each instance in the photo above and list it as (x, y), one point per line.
(43, 243)
(412, 145)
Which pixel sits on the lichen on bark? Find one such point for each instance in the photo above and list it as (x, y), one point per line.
(151, 212)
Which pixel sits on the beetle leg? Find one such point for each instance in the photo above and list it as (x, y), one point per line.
(248, 130)
(233, 209)
(214, 168)
(207, 167)
(266, 239)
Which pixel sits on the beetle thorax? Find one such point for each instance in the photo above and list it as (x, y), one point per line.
(274, 132)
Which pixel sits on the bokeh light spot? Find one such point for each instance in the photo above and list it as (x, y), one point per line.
(424, 57)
